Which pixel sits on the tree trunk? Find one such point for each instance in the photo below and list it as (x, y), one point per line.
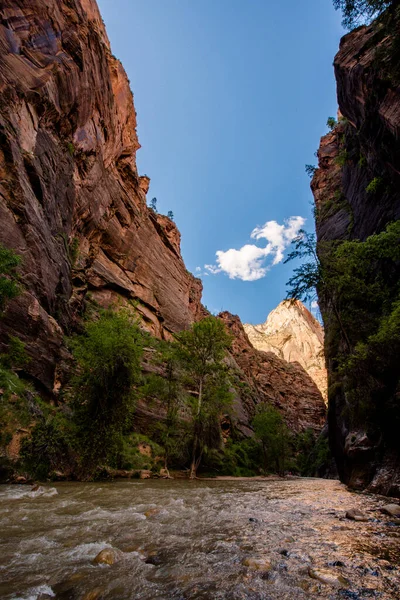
(264, 457)
(193, 468)
(195, 463)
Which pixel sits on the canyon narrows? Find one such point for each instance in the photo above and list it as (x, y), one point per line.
(150, 449)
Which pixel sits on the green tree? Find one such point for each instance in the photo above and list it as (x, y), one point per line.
(331, 123)
(108, 356)
(310, 170)
(170, 215)
(167, 389)
(201, 350)
(9, 288)
(153, 204)
(356, 12)
(315, 276)
(270, 429)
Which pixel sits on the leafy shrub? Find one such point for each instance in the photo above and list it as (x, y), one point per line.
(50, 447)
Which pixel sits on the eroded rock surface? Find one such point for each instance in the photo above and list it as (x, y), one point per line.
(362, 148)
(292, 333)
(72, 203)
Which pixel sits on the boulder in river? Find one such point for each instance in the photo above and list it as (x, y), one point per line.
(108, 556)
(356, 515)
(392, 510)
(327, 577)
(257, 564)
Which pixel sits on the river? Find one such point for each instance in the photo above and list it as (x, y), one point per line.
(242, 539)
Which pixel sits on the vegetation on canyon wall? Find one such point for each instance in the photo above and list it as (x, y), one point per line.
(356, 11)
(92, 429)
(359, 283)
(9, 288)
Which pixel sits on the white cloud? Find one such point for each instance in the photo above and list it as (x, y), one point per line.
(314, 305)
(246, 264)
(249, 262)
(278, 236)
(198, 269)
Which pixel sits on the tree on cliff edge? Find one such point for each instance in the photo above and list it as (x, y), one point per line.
(356, 12)
(201, 350)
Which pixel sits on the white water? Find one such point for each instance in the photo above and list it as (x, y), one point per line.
(182, 540)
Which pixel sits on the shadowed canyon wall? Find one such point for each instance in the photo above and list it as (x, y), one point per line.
(357, 194)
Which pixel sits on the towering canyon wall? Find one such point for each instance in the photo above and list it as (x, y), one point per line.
(73, 206)
(72, 202)
(357, 193)
(292, 333)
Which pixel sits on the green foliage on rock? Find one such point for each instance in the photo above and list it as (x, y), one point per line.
(357, 282)
(331, 123)
(51, 446)
(374, 185)
(16, 356)
(108, 356)
(9, 288)
(356, 12)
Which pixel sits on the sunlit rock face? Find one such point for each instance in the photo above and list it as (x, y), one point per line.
(292, 333)
(72, 203)
(273, 380)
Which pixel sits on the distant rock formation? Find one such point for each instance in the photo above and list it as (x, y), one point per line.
(293, 334)
(272, 380)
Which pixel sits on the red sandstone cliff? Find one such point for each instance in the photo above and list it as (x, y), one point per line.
(74, 207)
(72, 203)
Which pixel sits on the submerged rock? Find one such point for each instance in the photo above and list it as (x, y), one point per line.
(152, 512)
(356, 515)
(93, 594)
(257, 564)
(108, 556)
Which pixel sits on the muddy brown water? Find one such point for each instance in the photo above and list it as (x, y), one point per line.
(183, 540)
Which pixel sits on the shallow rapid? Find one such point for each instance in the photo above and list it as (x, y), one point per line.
(244, 539)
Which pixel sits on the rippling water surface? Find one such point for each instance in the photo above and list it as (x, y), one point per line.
(180, 540)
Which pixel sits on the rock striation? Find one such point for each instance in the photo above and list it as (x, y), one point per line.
(363, 148)
(71, 201)
(292, 333)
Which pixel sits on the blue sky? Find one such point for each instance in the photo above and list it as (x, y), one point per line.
(232, 97)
